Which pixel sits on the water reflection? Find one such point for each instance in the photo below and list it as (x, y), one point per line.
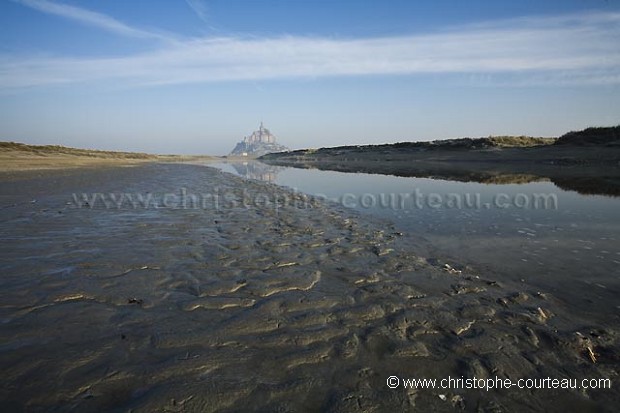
(256, 170)
(571, 248)
(584, 179)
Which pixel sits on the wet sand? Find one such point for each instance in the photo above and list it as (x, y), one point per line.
(253, 306)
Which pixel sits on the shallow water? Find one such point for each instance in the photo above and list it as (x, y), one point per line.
(560, 241)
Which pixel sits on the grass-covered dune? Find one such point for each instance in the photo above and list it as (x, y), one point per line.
(478, 143)
(587, 161)
(445, 144)
(592, 136)
(510, 145)
(16, 156)
(46, 150)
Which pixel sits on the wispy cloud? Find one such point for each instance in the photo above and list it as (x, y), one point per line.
(200, 8)
(575, 49)
(91, 18)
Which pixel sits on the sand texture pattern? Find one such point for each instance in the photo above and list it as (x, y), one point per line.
(260, 306)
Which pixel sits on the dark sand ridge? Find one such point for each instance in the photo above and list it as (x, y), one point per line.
(587, 161)
(590, 180)
(303, 307)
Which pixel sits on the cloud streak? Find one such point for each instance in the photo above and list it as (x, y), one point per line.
(200, 8)
(562, 50)
(91, 18)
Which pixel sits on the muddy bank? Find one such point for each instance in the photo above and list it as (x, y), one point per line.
(586, 161)
(249, 297)
(584, 170)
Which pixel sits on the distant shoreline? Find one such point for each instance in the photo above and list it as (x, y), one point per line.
(492, 149)
(587, 161)
(20, 157)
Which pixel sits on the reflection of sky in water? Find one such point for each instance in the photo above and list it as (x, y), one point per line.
(577, 242)
(572, 207)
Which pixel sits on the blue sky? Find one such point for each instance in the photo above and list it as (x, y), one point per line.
(196, 76)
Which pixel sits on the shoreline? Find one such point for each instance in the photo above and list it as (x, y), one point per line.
(20, 160)
(585, 170)
(311, 307)
(586, 161)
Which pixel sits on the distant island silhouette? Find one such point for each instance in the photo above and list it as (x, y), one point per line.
(260, 142)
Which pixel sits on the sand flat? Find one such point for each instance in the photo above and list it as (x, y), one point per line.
(223, 306)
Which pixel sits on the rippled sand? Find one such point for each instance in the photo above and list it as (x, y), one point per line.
(297, 307)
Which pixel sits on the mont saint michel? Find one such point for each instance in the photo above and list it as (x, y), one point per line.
(259, 143)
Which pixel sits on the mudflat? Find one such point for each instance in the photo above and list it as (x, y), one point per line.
(170, 287)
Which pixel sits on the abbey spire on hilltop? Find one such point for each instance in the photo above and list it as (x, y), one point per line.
(259, 143)
(261, 135)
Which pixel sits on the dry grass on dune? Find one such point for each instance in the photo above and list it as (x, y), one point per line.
(47, 150)
(22, 157)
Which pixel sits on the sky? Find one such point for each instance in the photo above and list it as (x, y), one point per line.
(196, 76)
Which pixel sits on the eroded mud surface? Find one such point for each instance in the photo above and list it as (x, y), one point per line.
(253, 306)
